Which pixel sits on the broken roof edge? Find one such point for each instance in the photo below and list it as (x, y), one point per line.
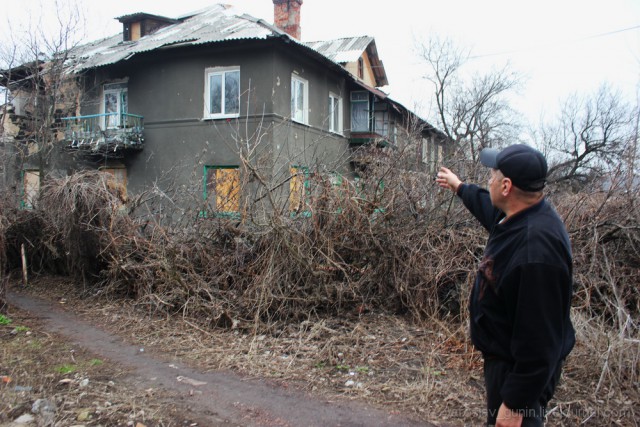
(143, 15)
(376, 64)
(363, 36)
(345, 50)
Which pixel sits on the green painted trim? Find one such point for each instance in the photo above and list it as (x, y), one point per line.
(303, 214)
(225, 215)
(23, 205)
(204, 176)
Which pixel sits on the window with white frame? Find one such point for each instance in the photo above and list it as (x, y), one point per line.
(115, 104)
(299, 99)
(222, 92)
(335, 113)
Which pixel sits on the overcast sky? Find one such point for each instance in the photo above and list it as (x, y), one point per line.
(560, 46)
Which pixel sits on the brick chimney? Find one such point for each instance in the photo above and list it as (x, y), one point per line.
(286, 16)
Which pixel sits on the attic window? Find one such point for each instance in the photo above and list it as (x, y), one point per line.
(361, 68)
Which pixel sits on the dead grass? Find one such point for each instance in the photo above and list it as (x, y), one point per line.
(366, 298)
(36, 366)
(429, 371)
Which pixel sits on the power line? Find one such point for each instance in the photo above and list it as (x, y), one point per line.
(595, 36)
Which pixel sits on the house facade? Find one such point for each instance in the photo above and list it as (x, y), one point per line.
(227, 103)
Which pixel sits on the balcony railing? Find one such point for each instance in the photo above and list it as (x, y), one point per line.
(366, 138)
(104, 133)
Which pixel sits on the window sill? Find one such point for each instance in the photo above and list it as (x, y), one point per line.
(301, 214)
(223, 215)
(221, 117)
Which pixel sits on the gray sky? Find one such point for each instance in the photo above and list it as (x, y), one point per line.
(560, 46)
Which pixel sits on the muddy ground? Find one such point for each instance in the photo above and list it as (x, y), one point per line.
(104, 362)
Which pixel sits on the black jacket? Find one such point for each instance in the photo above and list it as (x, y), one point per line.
(521, 298)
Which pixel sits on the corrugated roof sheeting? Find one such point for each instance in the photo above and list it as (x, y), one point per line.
(342, 50)
(349, 50)
(214, 24)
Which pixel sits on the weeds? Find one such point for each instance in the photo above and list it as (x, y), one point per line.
(407, 250)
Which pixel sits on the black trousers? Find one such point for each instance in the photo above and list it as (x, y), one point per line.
(495, 374)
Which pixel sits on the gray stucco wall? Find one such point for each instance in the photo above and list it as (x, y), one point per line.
(167, 88)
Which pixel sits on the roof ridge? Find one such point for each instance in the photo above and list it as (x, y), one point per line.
(340, 38)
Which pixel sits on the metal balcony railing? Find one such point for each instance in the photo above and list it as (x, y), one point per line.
(103, 133)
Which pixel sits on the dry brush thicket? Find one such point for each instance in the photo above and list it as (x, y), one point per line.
(402, 247)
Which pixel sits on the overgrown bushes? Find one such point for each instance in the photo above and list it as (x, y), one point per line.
(410, 249)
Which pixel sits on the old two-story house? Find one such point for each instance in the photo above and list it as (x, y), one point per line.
(228, 101)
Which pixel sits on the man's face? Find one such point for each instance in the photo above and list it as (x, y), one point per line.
(495, 187)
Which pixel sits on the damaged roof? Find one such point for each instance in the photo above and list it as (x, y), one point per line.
(214, 24)
(349, 49)
(342, 50)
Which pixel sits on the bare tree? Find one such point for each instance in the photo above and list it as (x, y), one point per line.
(35, 76)
(593, 136)
(473, 111)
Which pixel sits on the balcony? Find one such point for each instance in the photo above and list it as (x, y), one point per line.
(110, 134)
(369, 138)
(372, 127)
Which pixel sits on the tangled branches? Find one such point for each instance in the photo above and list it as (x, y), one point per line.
(354, 249)
(401, 247)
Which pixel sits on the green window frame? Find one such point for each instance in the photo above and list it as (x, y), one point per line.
(360, 111)
(30, 179)
(115, 104)
(221, 191)
(379, 192)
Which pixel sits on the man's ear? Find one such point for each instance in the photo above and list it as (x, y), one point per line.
(506, 187)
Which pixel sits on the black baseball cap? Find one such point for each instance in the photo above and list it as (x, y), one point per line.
(525, 166)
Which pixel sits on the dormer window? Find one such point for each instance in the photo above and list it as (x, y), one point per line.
(139, 25)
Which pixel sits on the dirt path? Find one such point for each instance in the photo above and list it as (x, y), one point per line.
(217, 398)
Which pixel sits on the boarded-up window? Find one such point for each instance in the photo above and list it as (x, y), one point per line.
(118, 180)
(299, 189)
(136, 31)
(31, 188)
(222, 189)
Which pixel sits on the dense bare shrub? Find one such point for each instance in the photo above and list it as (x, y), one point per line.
(403, 247)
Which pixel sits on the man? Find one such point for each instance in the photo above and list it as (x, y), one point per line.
(520, 301)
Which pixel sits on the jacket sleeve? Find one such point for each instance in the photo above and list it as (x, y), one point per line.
(478, 202)
(538, 307)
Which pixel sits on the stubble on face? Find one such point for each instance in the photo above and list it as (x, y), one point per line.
(495, 185)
